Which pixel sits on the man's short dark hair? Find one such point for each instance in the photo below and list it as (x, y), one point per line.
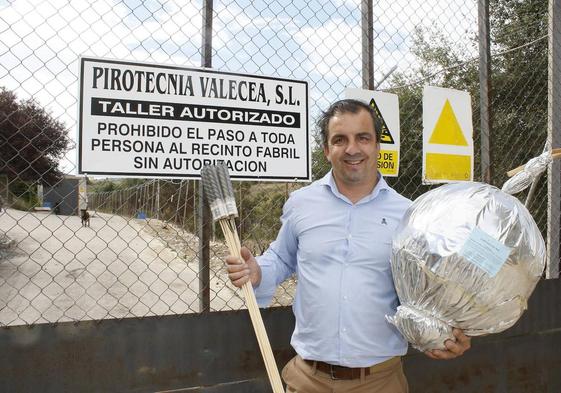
(347, 106)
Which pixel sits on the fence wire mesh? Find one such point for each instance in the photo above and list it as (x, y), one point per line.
(139, 253)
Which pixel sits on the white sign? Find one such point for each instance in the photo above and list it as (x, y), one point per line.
(386, 106)
(447, 136)
(147, 120)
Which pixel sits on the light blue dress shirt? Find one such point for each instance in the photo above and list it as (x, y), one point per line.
(340, 253)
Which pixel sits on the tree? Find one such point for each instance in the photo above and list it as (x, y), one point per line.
(519, 88)
(434, 52)
(31, 141)
(519, 81)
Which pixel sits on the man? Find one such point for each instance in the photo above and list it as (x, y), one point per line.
(336, 236)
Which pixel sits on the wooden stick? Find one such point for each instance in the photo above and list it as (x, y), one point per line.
(232, 240)
(556, 153)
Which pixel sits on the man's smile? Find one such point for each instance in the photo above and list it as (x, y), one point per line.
(354, 161)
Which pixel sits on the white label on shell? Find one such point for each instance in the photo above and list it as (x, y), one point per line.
(485, 252)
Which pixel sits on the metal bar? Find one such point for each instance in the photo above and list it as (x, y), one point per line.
(145, 204)
(153, 200)
(205, 219)
(206, 60)
(158, 199)
(485, 89)
(554, 139)
(135, 202)
(386, 76)
(367, 45)
(185, 205)
(176, 214)
(531, 192)
(204, 228)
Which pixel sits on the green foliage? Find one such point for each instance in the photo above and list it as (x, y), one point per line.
(23, 195)
(518, 89)
(263, 204)
(105, 185)
(23, 204)
(320, 165)
(519, 82)
(31, 141)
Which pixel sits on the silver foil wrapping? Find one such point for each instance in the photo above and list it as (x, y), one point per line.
(465, 255)
(532, 170)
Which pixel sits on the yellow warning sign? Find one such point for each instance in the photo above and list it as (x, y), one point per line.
(447, 130)
(388, 161)
(386, 107)
(385, 135)
(447, 135)
(449, 167)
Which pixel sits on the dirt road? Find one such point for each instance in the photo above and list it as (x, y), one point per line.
(60, 271)
(118, 267)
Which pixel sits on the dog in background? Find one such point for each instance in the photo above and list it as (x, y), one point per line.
(85, 218)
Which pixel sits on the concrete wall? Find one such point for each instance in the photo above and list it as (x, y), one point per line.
(218, 352)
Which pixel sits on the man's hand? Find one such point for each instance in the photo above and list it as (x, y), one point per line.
(453, 349)
(240, 271)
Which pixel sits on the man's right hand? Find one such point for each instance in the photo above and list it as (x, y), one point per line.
(241, 271)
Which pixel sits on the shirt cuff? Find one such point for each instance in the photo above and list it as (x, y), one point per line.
(266, 289)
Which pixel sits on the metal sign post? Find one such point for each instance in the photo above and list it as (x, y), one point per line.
(203, 211)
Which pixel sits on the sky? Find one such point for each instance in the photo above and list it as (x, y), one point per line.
(317, 41)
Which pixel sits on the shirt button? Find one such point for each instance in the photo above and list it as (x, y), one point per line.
(350, 237)
(344, 329)
(344, 298)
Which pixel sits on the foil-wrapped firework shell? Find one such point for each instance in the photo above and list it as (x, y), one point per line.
(531, 171)
(465, 255)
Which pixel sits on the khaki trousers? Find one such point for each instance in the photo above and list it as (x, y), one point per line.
(301, 377)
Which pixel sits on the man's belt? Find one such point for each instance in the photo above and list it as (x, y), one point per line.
(342, 372)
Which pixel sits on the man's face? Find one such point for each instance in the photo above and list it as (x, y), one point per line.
(352, 148)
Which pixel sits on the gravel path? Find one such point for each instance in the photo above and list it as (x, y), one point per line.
(57, 270)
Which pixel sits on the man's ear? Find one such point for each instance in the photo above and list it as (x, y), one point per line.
(326, 152)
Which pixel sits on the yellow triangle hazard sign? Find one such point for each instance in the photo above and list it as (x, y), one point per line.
(385, 136)
(447, 130)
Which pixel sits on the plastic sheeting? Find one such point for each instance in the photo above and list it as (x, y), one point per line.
(465, 255)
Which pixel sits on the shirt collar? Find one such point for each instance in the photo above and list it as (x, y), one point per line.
(329, 181)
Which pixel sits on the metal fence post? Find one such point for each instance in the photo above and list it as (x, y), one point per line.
(205, 218)
(485, 89)
(367, 45)
(554, 139)
(157, 201)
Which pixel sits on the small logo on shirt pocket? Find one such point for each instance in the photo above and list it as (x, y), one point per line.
(384, 222)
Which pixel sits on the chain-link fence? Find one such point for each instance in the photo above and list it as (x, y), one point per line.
(138, 253)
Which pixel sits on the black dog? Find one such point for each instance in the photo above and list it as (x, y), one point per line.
(85, 218)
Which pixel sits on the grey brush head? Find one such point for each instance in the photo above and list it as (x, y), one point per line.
(219, 191)
(227, 189)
